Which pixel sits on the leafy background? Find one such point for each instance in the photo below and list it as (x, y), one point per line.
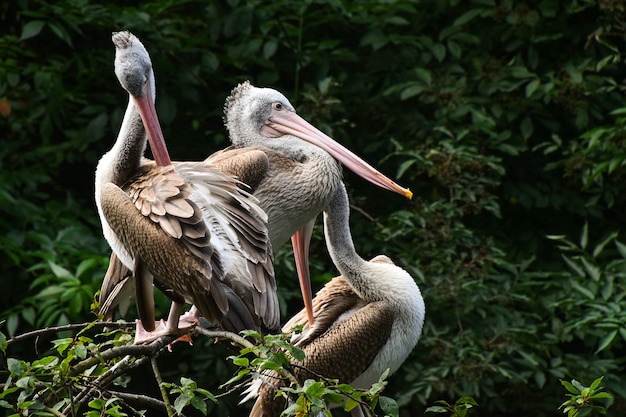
(506, 118)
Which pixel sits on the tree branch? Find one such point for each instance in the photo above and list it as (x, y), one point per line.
(159, 380)
(75, 326)
(120, 351)
(141, 400)
(217, 334)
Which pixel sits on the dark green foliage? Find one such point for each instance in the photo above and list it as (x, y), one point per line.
(506, 118)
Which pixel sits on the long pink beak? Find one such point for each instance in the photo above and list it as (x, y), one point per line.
(295, 125)
(300, 242)
(146, 108)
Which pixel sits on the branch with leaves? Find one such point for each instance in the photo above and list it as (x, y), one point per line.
(78, 375)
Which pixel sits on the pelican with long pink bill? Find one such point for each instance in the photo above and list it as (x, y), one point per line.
(187, 227)
(303, 172)
(367, 320)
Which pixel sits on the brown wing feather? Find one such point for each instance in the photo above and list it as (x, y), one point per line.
(340, 350)
(346, 350)
(236, 218)
(115, 289)
(164, 197)
(249, 165)
(334, 299)
(188, 276)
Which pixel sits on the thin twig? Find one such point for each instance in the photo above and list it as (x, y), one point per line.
(235, 388)
(120, 351)
(85, 393)
(47, 330)
(141, 400)
(366, 215)
(53, 411)
(123, 403)
(159, 379)
(235, 338)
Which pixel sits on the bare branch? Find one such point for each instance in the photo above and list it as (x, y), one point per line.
(53, 412)
(221, 334)
(159, 379)
(75, 326)
(141, 400)
(121, 351)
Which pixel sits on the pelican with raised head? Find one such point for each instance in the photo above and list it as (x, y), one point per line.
(367, 320)
(187, 227)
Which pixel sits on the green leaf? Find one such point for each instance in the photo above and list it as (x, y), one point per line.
(269, 49)
(97, 403)
(389, 406)
(12, 323)
(411, 91)
(16, 367)
(297, 353)
(622, 332)
(3, 342)
(241, 361)
(199, 404)
(454, 48)
(439, 51)
(600, 246)
(314, 388)
(60, 32)
(81, 351)
(467, 17)
(526, 127)
(436, 409)
(467, 400)
(350, 404)
(31, 29)
(59, 271)
(584, 291)
(577, 269)
(601, 395)
(188, 383)
(568, 386)
(596, 383)
(181, 402)
(580, 387)
(606, 341)
(532, 86)
(592, 270)
(584, 237)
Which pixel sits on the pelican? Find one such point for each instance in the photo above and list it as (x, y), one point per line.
(303, 172)
(367, 320)
(188, 227)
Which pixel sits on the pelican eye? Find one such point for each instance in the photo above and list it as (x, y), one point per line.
(277, 106)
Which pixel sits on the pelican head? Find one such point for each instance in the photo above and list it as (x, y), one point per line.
(264, 117)
(133, 69)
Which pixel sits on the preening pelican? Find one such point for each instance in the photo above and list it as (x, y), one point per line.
(367, 320)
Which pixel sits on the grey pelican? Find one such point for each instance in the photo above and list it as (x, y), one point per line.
(186, 226)
(366, 321)
(304, 169)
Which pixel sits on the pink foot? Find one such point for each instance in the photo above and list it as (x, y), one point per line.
(144, 336)
(190, 319)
